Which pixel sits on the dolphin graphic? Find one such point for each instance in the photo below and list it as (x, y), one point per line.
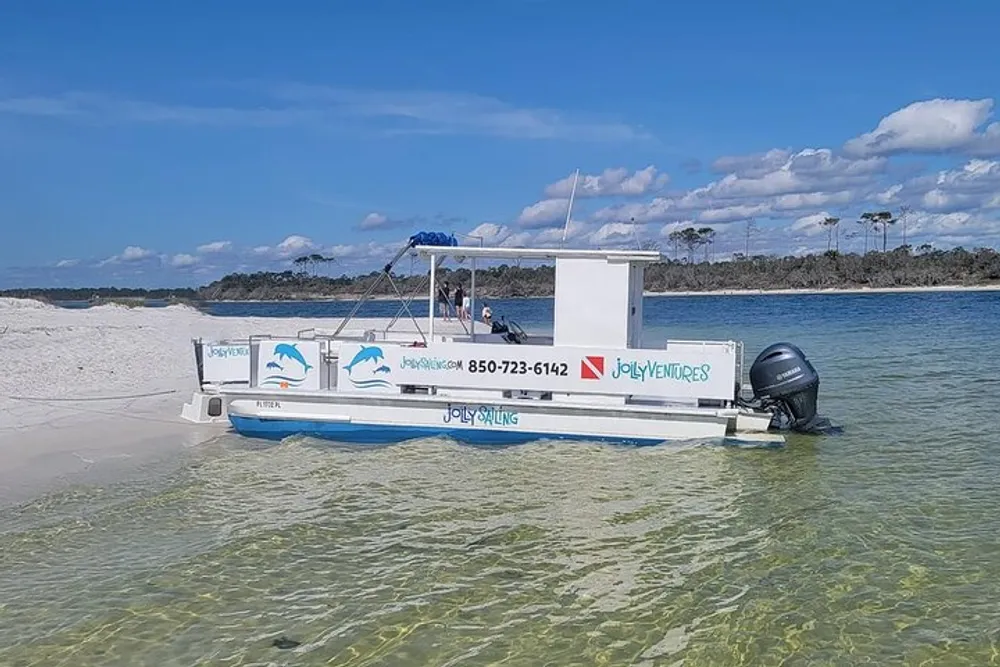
(274, 364)
(382, 369)
(364, 354)
(289, 350)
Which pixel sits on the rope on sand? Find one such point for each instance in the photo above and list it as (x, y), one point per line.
(123, 397)
(106, 413)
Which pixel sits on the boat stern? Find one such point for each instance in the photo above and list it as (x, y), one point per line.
(206, 407)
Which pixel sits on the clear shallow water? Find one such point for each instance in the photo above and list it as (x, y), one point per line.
(877, 546)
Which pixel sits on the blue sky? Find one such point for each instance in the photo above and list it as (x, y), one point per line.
(170, 144)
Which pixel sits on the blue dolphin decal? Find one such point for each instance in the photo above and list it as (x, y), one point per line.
(289, 350)
(274, 364)
(364, 354)
(382, 369)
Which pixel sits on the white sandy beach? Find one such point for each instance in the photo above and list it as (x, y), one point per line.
(85, 390)
(100, 387)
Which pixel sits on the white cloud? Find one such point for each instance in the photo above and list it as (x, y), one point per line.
(362, 256)
(183, 260)
(131, 254)
(67, 263)
(543, 214)
(91, 106)
(214, 247)
(974, 185)
(775, 184)
(671, 227)
(811, 225)
(888, 196)
(657, 210)
(303, 105)
(290, 247)
(932, 126)
(374, 221)
(811, 200)
(358, 256)
(576, 233)
(491, 233)
(517, 240)
(498, 235)
(430, 112)
(609, 183)
(963, 224)
(295, 244)
(807, 171)
(726, 214)
(135, 253)
(752, 166)
(615, 234)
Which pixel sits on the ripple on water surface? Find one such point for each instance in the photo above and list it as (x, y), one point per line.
(435, 553)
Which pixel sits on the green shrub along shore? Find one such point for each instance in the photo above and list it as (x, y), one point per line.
(900, 268)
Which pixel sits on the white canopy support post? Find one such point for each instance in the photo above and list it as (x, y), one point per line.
(409, 299)
(386, 270)
(431, 304)
(472, 300)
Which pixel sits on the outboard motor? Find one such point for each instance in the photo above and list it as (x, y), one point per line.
(782, 377)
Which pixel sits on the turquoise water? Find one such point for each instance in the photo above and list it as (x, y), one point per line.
(877, 546)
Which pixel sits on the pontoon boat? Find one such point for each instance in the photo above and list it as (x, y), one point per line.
(592, 379)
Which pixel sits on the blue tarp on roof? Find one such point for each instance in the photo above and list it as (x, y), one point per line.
(433, 238)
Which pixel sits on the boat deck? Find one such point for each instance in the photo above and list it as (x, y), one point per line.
(404, 325)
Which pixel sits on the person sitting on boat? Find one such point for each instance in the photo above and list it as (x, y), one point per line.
(487, 315)
(442, 299)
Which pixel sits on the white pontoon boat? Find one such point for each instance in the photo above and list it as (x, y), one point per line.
(593, 379)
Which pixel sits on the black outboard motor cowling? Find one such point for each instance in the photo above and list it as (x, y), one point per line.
(782, 375)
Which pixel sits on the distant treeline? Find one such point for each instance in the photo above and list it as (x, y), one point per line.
(901, 267)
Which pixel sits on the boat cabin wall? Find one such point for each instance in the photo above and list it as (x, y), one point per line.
(598, 303)
(289, 363)
(691, 373)
(222, 363)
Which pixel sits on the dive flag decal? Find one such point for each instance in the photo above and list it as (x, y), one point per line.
(592, 368)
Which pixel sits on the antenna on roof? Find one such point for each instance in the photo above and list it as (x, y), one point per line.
(569, 209)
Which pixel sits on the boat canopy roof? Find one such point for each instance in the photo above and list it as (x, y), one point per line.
(433, 239)
(426, 250)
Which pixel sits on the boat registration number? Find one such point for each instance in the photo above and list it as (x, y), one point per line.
(274, 405)
(518, 367)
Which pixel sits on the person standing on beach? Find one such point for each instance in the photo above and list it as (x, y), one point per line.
(442, 299)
